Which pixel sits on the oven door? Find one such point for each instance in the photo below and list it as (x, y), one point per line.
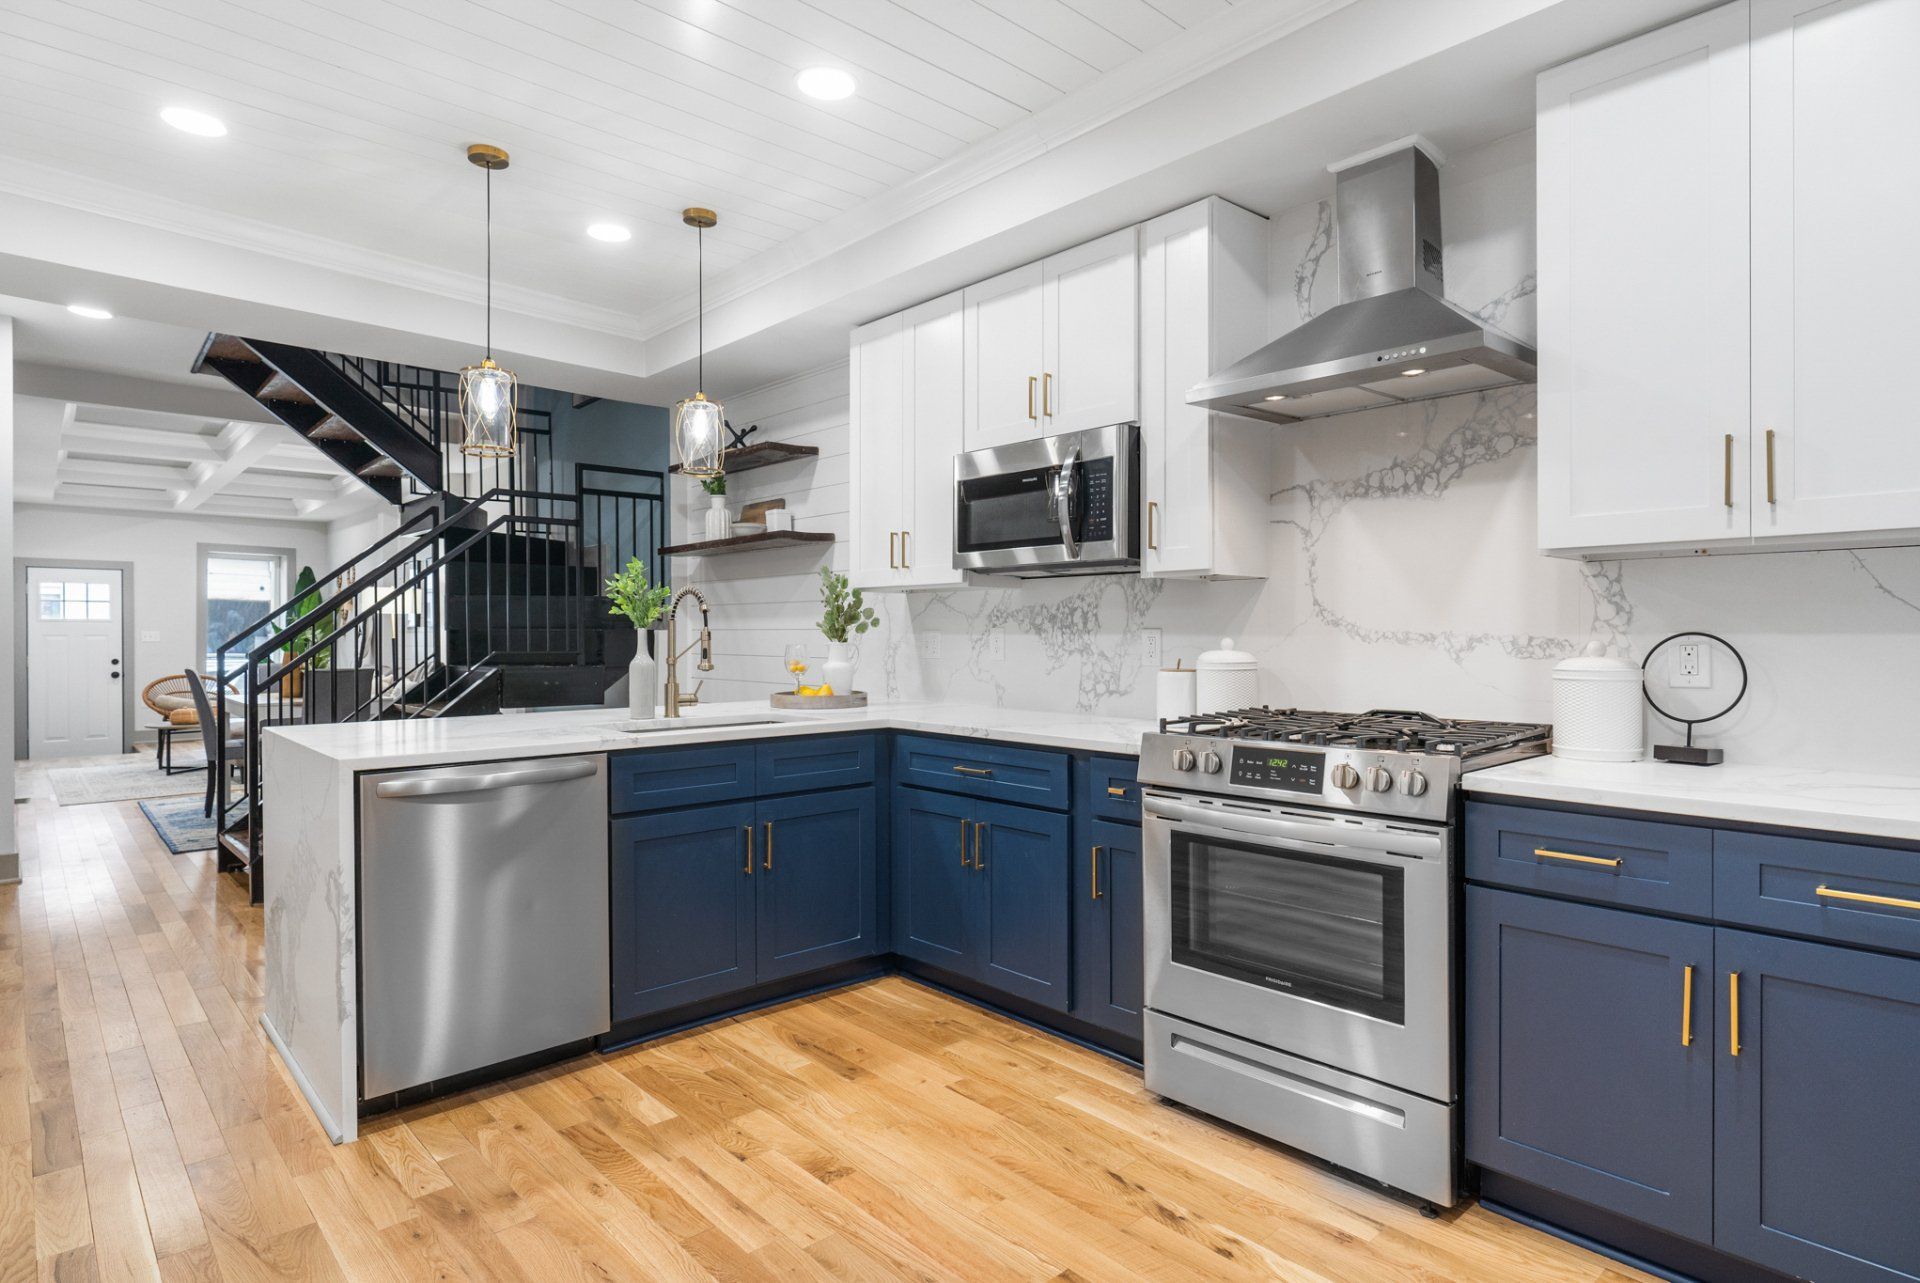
(1328, 937)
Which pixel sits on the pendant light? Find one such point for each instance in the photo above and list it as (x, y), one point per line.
(489, 395)
(696, 420)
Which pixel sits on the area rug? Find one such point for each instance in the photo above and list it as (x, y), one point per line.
(120, 778)
(180, 824)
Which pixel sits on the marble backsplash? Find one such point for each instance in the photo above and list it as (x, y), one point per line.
(1403, 569)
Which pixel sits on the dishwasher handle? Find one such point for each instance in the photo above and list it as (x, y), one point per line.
(446, 784)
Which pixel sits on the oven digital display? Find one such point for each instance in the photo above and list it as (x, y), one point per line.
(1278, 768)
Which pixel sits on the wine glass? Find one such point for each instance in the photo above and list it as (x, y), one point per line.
(797, 664)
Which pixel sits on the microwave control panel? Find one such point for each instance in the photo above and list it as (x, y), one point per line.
(1096, 499)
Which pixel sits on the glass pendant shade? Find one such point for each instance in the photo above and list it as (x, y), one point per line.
(489, 399)
(697, 435)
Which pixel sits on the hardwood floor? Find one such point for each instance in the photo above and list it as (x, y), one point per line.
(882, 1132)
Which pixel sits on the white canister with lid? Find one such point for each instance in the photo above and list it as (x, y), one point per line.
(1227, 679)
(1173, 693)
(1596, 708)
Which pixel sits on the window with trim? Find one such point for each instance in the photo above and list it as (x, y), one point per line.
(239, 588)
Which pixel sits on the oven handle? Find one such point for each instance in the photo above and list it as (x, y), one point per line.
(1393, 844)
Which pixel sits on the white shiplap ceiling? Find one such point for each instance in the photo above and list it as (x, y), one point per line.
(348, 117)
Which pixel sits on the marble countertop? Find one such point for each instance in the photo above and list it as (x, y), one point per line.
(440, 741)
(1796, 796)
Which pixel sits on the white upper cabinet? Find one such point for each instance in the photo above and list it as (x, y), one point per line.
(1643, 397)
(1725, 282)
(1050, 347)
(904, 429)
(1003, 329)
(1090, 307)
(1203, 304)
(1836, 198)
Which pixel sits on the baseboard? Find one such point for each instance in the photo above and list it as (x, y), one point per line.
(9, 867)
(320, 1111)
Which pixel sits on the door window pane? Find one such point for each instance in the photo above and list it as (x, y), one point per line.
(76, 601)
(1302, 923)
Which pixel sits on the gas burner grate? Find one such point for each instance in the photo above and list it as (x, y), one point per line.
(1381, 728)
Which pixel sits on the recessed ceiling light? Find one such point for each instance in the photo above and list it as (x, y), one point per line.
(90, 312)
(1278, 396)
(828, 83)
(612, 233)
(197, 123)
(1407, 374)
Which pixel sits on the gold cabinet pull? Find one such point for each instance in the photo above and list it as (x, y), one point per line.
(973, 770)
(767, 860)
(1046, 394)
(1770, 495)
(904, 563)
(1031, 380)
(1153, 542)
(1733, 1012)
(1095, 861)
(979, 834)
(963, 845)
(1861, 897)
(1726, 472)
(1686, 1008)
(748, 870)
(893, 550)
(1112, 791)
(1543, 853)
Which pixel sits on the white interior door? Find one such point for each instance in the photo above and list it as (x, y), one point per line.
(75, 704)
(1834, 277)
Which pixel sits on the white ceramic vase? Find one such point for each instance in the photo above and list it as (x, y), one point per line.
(643, 682)
(837, 672)
(719, 524)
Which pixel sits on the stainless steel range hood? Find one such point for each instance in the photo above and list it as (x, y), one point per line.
(1394, 337)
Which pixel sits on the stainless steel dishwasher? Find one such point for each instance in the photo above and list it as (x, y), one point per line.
(483, 916)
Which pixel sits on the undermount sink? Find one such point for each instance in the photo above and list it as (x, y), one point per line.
(695, 722)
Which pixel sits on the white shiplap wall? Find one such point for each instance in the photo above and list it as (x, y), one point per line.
(764, 600)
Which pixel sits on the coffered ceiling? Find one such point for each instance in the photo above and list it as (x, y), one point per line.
(348, 118)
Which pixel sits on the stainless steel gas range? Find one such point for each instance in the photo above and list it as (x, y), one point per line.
(1300, 928)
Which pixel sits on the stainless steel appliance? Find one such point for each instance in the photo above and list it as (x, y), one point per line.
(1300, 906)
(1394, 336)
(1059, 505)
(483, 916)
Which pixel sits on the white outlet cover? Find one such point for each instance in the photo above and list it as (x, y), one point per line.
(997, 645)
(1150, 647)
(1692, 666)
(930, 645)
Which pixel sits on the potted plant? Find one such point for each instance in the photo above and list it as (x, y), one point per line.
(639, 603)
(719, 524)
(843, 613)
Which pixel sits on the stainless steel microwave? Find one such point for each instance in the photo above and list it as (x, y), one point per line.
(1059, 505)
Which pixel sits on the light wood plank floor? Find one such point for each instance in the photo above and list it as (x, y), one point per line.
(883, 1132)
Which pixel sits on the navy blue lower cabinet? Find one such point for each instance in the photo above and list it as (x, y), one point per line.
(1585, 1074)
(1022, 855)
(816, 881)
(682, 908)
(936, 899)
(1109, 987)
(1818, 1171)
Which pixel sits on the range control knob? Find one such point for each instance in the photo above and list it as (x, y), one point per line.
(1210, 762)
(1379, 779)
(1412, 782)
(1183, 759)
(1345, 777)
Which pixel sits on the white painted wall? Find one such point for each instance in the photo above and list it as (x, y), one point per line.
(9, 839)
(1405, 572)
(164, 552)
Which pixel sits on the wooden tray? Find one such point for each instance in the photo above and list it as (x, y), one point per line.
(787, 699)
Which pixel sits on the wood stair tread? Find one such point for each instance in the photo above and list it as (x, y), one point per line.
(279, 387)
(334, 428)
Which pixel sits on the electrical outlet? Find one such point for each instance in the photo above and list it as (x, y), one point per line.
(930, 645)
(997, 645)
(1691, 665)
(1150, 648)
(149, 636)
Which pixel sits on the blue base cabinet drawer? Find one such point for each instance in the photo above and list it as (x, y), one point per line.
(1029, 777)
(1641, 864)
(816, 762)
(654, 780)
(1113, 788)
(1840, 891)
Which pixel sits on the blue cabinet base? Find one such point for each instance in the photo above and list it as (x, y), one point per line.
(1061, 1025)
(625, 1033)
(1616, 1237)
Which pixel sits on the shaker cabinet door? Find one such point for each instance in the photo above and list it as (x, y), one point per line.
(936, 897)
(815, 881)
(1108, 981)
(877, 452)
(1590, 1055)
(1089, 376)
(682, 908)
(1002, 339)
(930, 437)
(1021, 859)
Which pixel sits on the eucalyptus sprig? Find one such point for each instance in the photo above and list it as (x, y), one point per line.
(843, 610)
(633, 597)
(715, 484)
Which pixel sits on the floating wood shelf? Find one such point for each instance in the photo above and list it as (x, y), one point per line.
(761, 454)
(747, 543)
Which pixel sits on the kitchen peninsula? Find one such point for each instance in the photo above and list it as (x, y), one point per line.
(313, 915)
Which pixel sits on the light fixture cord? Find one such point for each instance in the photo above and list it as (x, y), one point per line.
(489, 174)
(700, 308)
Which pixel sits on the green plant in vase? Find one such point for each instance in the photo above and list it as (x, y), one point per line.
(844, 614)
(635, 598)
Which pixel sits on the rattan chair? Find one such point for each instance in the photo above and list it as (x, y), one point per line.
(172, 698)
